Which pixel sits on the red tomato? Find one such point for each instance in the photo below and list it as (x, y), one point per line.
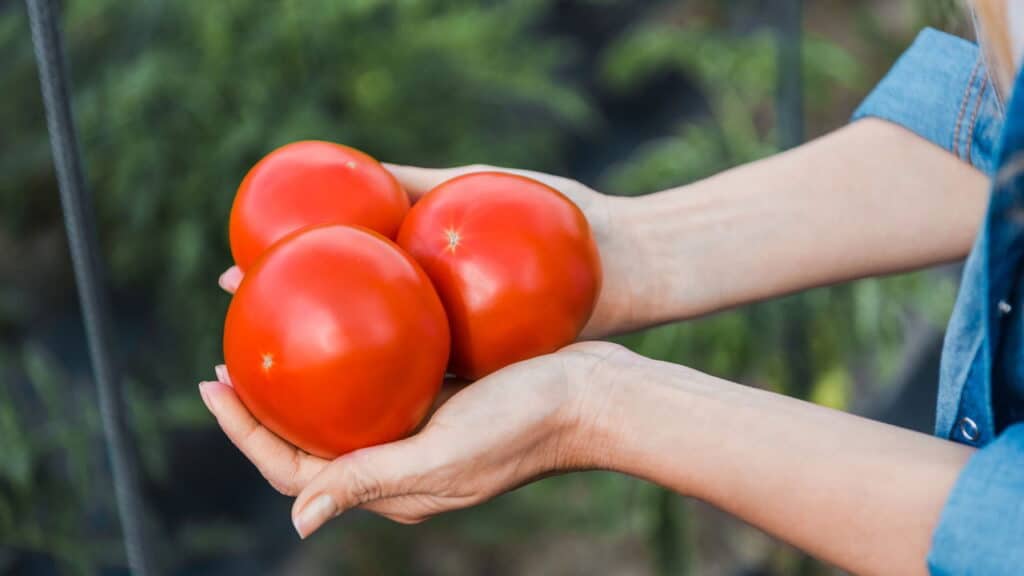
(307, 183)
(336, 340)
(514, 263)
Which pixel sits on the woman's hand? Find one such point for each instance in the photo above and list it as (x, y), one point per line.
(520, 423)
(621, 264)
(843, 206)
(859, 494)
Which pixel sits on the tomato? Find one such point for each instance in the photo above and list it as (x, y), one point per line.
(307, 183)
(336, 340)
(514, 262)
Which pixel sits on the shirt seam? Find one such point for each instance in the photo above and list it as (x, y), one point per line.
(974, 116)
(955, 144)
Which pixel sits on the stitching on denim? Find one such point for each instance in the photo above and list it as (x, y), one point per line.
(974, 115)
(955, 146)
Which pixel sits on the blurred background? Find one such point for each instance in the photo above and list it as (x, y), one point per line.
(175, 100)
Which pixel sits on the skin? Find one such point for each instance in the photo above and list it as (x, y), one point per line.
(868, 199)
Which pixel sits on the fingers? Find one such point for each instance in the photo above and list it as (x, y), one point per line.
(359, 478)
(287, 468)
(230, 279)
(418, 181)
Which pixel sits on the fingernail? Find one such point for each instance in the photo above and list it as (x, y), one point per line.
(230, 279)
(204, 396)
(319, 510)
(222, 374)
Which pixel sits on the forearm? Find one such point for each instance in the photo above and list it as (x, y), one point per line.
(868, 199)
(859, 494)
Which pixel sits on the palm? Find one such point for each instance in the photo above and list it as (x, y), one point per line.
(501, 432)
(286, 467)
(478, 413)
(481, 440)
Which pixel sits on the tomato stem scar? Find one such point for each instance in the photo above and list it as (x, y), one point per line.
(453, 239)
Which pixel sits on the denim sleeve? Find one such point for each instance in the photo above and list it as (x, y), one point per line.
(981, 530)
(940, 90)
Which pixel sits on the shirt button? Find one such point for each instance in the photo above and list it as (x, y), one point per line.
(1004, 307)
(968, 429)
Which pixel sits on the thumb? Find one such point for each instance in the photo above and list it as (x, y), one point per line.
(355, 479)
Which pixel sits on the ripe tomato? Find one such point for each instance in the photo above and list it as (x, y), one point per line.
(336, 340)
(514, 263)
(312, 182)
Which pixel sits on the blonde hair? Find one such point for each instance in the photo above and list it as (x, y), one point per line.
(994, 37)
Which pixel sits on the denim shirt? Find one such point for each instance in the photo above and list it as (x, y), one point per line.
(941, 90)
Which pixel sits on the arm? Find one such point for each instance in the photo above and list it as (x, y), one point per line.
(871, 198)
(896, 190)
(859, 494)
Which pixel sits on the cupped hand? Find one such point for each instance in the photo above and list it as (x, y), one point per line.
(615, 306)
(525, 421)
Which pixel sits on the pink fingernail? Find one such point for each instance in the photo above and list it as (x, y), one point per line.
(230, 279)
(319, 510)
(205, 396)
(222, 374)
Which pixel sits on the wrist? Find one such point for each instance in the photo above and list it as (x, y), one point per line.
(616, 236)
(649, 419)
(661, 257)
(617, 405)
(583, 434)
(654, 254)
(632, 275)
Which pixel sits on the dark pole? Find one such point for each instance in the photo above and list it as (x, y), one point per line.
(790, 126)
(79, 220)
(790, 116)
(790, 102)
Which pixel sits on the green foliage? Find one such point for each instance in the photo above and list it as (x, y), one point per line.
(47, 475)
(738, 75)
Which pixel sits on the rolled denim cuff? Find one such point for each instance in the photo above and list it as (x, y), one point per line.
(981, 530)
(940, 90)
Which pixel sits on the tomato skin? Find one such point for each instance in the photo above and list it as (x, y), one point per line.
(514, 262)
(336, 340)
(307, 183)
